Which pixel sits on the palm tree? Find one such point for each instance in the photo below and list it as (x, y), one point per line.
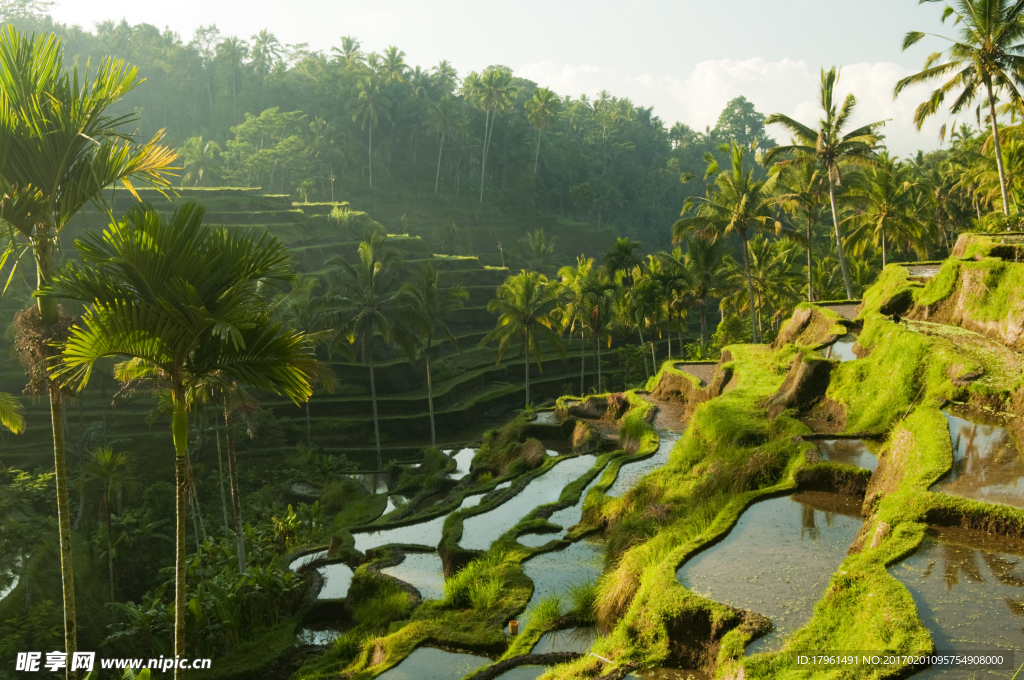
(645, 301)
(445, 121)
(349, 53)
(736, 203)
(114, 473)
(622, 257)
(982, 61)
(371, 305)
(59, 148)
(804, 190)
(890, 210)
(492, 92)
(183, 300)
(11, 412)
(540, 250)
(394, 67)
(371, 105)
(524, 304)
(541, 109)
(670, 272)
(266, 51)
(200, 162)
(430, 306)
(829, 147)
(444, 77)
(573, 307)
(233, 52)
(599, 291)
(704, 262)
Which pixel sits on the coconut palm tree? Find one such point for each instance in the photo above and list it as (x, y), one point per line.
(704, 262)
(183, 301)
(430, 306)
(371, 105)
(736, 203)
(890, 211)
(265, 52)
(445, 121)
(829, 146)
(540, 250)
(370, 305)
(199, 160)
(805, 187)
(573, 307)
(394, 67)
(524, 305)
(622, 257)
(114, 473)
(599, 291)
(983, 61)
(492, 92)
(11, 412)
(541, 109)
(59, 148)
(669, 270)
(233, 51)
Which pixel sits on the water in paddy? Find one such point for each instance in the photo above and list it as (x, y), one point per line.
(987, 464)
(423, 533)
(300, 562)
(553, 573)
(925, 270)
(842, 349)
(429, 663)
(777, 560)
(570, 640)
(524, 673)
(423, 571)
(565, 518)
(463, 459)
(546, 418)
(479, 531)
(319, 638)
(971, 599)
(668, 674)
(371, 481)
(860, 453)
(337, 579)
(631, 473)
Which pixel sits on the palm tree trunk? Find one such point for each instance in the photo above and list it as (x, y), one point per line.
(309, 428)
(536, 156)
(703, 326)
(220, 475)
(110, 559)
(642, 352)
(597, 362)
(668, 332)
(839, 238)
(750, 291)
(376, 426)
(430, 399)
(810, 279)
(179, 431)
(998, 148)
(526, 362)
(883, 248)
(371, 156)
(48, 312)
(654, 359)
(483, 155)
(437, 176)
(583, 358)
(236, 502)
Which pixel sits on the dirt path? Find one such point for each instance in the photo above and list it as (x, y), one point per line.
(703, 372)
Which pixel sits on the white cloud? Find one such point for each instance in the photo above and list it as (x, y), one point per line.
(785, 86)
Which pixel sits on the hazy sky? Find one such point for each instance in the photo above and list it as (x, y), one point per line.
(684, 58)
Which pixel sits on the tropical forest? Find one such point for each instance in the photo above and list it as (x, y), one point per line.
(321, 364)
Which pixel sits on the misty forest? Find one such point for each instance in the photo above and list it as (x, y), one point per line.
(324, 364)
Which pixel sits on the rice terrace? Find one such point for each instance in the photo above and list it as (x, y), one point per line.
(318, 365)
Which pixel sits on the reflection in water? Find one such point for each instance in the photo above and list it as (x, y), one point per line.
(987, 464)
(428, 663)
(860, 453)
(463, 459)
(924, 270)
(632, 473)
(337, 579)
(479, 531)
(371, 481)
(320, 638)
(777, 560)
(577, 640)
(969, 599)
(422, 533)
(554, 572)
(842, 349)
(423, 571)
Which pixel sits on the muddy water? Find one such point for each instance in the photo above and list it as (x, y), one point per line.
(631, 473)
(479, 531)
(553, 573)
(862, 453)
(429, 663)
(969, 598)
(777, 560)
(842, 349)
(570, 640)
(423, 571)
(987, 463)
(337, 579)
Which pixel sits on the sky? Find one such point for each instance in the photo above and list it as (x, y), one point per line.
(684, 58)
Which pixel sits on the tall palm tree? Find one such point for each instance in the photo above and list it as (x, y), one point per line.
(984, 60)
(704, 262)
(349, 53)
(599, 291)
(829, 146)
(573, 308)
(444, 77)
(394, 67)
(199, 161)
(736, 203)
(265, 52)
(233, 51)
(371, 305)
(804, 188)
(889, 210)
(645, 302)
(622, 257)
(524, 303)
(430, 306)
(540, 250)
(114, 473)
(183, 300)
(541, 109)
(492, 92)
(672, 276)
(59, 148)
(371, 105)
(445, 121)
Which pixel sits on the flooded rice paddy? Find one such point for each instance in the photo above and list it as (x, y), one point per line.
(631, 473)
(862, 453)
(924, 270)
(463, 459)
(300, 562)
(987, 464)
(553, 573)
(371, 481)
(423, 571)
(430, 663)
(479, 531)
(546, 418)
(971, 599)
(777, 560)
(524, 673)
(316, 637)
(427, 534)
(668, 674)
(337, 579)
(842, 349)
(577, 640)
